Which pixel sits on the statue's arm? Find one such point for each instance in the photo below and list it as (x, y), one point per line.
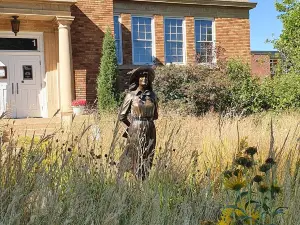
(126, 109)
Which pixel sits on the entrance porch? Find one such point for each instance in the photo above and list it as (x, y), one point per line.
(36, 65)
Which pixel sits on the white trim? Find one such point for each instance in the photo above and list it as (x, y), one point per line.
(213, 36)
(121, 37)
(152, 37)
(38, 35)
(39, 52)
(184, 50)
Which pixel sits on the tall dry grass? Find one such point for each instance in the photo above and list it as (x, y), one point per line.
(69, 177)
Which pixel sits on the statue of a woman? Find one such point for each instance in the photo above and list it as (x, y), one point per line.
(141, 104)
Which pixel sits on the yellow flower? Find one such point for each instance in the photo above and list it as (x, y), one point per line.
(235, 183)
(228, 215)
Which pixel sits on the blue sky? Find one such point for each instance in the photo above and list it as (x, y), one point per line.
(263, 23)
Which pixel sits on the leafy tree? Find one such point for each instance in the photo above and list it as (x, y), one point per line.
(107, 80)
(289, 41)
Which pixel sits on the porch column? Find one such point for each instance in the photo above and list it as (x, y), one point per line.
(65, 64)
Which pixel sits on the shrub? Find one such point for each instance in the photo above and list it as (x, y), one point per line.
(191, 89)
(282, 91)
(196, 89)
(107, 86)
(244, 91)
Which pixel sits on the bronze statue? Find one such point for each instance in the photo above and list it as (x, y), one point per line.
(140, 104)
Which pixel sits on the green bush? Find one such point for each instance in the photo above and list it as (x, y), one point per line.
(244, 90)
(191, 89)
(107, 80)
(196, 89)
(282, 92)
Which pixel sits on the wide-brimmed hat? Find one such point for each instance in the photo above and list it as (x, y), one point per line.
(135, 73)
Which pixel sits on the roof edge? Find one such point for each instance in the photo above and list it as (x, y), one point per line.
(69, 2)
(224, 3)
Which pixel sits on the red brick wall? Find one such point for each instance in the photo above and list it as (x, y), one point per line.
(87, 31)
(190, 39)
(126, 39)
(233, 38)
(260, 65)
(92, 17)
(159, 39)
(29, 25)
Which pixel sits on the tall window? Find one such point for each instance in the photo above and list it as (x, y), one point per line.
(174, 41)
(142, 38)
(273, 65)
(118, 39)
(204, 41)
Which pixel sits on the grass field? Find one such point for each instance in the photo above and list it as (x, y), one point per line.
(70, 177)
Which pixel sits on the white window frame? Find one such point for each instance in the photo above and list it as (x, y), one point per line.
(152, 36)
(184, 50)
(121, 34)
(214, 60)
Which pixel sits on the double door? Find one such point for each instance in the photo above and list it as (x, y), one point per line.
(21, 88)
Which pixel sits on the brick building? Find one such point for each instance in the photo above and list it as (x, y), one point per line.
(263, 63)
(55, 56)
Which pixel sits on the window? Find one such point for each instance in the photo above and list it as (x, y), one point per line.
(174, 41)
(118, 39)
(204, 41)
(142, 40)
(273, 65)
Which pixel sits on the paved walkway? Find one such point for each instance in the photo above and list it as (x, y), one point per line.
(39, 125)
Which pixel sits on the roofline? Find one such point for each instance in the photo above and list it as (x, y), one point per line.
(225, 3)
(264, 52)
(71, 2)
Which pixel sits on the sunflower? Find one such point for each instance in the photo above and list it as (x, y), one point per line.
(230, 216)
(235, 183)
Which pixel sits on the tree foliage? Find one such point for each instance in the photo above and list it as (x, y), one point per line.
(107, 80)
(289, 41)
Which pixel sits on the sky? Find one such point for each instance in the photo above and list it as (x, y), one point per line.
(263, 24)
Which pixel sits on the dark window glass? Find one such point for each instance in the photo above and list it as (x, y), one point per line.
(13, 44)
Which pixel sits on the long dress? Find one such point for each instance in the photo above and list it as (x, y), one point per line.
(141, 140)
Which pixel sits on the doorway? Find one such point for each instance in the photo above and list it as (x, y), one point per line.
(22, 88)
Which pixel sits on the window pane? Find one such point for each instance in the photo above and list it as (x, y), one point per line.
(116, 27)
(173, 37)
(179, 30)
(148, 36)
(209, 31)
(179, 37)
(142, 40)
(209, 37)
(204, 40)
(118, 43)
(174, 40)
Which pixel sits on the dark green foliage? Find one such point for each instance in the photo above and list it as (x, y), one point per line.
(282, 92)
(190, 89)
(289, 41)
(195, 90)
(107, 80)
(244, 93)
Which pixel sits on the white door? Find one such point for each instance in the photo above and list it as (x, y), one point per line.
(28, 86)
(4, 83)
(24, 86)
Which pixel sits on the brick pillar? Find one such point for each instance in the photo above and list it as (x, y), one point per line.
(190, 39)
(126, 39)
(159, 39)
(92, 17)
